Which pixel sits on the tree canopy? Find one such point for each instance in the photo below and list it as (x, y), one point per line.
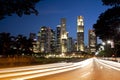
(111, 2)
(11, 45)
(108, 23)
(107, 27)
(19, 7)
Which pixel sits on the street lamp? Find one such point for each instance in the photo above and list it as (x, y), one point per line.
(109, 42)
(103, 43)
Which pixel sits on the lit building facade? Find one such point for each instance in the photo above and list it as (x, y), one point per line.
(32, 36)
(46, 38)
(64, 36)
(80, 34)
(52, 44)
(70, 44)
(43, 39)
(92, 41)
(58, 39)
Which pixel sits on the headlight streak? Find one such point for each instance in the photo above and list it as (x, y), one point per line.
(50, 69)
(108, 64)
(34, 71)
(74, 66)
(33, 67)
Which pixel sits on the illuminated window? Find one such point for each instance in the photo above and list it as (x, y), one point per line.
(80, 23)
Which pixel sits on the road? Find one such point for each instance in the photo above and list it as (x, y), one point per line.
(90, 69)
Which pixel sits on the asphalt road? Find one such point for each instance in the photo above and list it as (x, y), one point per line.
(91, 69)
(96, 70)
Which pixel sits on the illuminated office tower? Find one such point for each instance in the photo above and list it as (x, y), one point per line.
(58, 39)
(34, 42)
(32, 36)
(64, 36)
(80, 34)
(43, 39)
(92, 41)
(70, 44)
(47, 39)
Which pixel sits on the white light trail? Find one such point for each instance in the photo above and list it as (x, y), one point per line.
(40, 70)
(33, 67)
(109, 64)
(74, 66)
(34, 71)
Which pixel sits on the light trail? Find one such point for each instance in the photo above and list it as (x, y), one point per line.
(34, 67)
(29, 72)
(109, 64)
(74, 66)
(87, 68)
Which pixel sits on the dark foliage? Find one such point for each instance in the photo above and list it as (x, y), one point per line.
(111, 2)
(107, 25)
(19, 7)
(11, 46)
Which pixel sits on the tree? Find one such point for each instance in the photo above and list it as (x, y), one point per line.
(23, 45)
(108, 23)
(111, 2)
(10, 45)
(5, 40)
(19, 7)
(107, 26)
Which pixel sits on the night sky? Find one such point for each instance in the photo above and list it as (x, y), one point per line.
(50, 13)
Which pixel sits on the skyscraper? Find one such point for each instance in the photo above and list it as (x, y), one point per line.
(32, 36)
(46, 38)
(58, 36)
(70, 44)
(43, 38)
(92, 41)
(64, 36)
(34, 42)
(80, 34)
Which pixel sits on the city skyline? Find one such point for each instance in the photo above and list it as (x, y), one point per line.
(50, 13)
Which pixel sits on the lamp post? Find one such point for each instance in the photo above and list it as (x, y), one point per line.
(108, 45)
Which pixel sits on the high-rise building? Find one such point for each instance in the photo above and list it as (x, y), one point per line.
(46, 37)
(92, 41)
(64, 36)
(80, 34)
(38, 41)
(70, 44)
(43, 38)
(58, 36)
(74, 45)
(52, 41)
(32, 36)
